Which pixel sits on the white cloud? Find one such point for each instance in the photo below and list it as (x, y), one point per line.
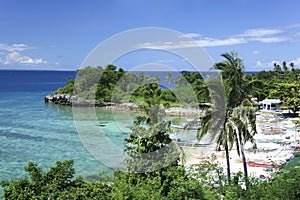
(273, 62)
(190, 35)
(206, 42)
(14, 47)
(258, 64)
(251, 35)
(17, 58)
(269, 39)
(255, 52)
(270, 65)
(260, 32)
(210, 42)
(265, 65)
(296, 61)
(294, 26)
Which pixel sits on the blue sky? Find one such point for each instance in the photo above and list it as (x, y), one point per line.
(59, 34)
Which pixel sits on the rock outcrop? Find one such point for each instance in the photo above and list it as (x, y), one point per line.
(70, 100)
(62, 99)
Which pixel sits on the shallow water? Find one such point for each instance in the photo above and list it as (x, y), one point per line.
(31, 130)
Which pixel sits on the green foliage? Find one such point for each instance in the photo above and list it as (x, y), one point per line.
(149, 144)
(57, 183)
(275, 83)
(107, 82)
(168, 95)
(233, 129)
(206, 180)
(185, 95)
(86, 81)
(150, 147)
(289, 92)
(67, 89)
(171, 183)
(189, 86)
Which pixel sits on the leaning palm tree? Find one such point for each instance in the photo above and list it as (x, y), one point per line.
(244, 125)
(234, 126)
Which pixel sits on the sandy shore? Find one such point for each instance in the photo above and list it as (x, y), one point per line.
(194, 155)
(268, 156)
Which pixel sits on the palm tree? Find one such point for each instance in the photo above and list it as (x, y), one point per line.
(242, 125)
(234, 129)
(253, 86)
(285, 67)
(292, 65)
(169, 78)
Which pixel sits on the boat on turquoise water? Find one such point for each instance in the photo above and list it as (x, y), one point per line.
(194, 124)
(193, 144)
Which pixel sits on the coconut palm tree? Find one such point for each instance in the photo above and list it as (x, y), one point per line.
(169, 78)
(244, 125)
(234, 129)
(292, 65)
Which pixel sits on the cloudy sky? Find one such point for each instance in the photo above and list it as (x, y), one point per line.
(60, 34)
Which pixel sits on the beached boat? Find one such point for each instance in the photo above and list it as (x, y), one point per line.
(258, 164)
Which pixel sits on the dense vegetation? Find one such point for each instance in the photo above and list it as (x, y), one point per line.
(155, 168)
(173, 182)
(111, 85)
(283, 82)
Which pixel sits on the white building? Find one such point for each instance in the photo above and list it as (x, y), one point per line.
(270, 104)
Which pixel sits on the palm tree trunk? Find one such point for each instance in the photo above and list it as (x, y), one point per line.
(244, 162)
(227, 147)
(227, 161)
(245, 168)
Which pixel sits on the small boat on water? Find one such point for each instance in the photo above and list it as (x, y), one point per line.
(190, 125)
(193, 144)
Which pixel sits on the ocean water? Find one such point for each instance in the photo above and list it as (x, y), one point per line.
(31, 130)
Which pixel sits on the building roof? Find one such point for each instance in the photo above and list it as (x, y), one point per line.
(270, 101)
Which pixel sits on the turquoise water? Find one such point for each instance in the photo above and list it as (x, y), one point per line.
(31, 130)
(44, 133)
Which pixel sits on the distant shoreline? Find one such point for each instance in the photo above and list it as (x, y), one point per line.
(69, 100)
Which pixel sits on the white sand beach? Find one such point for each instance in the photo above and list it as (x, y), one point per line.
(273, 150)
(194, 155)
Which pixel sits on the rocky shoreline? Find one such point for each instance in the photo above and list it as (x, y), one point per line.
(69, 100)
